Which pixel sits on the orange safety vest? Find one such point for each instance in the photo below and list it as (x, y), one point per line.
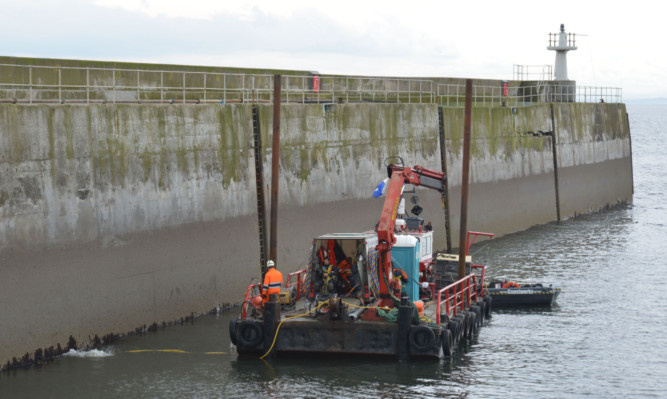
(273, 280)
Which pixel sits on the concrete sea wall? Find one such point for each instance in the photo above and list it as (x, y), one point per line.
(118, 216)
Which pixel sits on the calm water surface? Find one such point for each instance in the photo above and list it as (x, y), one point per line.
(605, 338)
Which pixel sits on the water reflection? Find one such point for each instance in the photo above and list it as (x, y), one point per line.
(359, 377)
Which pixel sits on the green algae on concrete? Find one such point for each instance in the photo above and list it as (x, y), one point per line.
(130, 147)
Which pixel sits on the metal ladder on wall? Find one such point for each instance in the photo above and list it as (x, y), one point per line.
(259, 181)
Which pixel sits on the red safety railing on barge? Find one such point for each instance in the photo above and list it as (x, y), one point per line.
(461, 294)
(252, 291)
(300, 288)
(474, 235)
(481, 276)
(255, 289)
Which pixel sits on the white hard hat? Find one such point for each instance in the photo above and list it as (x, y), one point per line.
(270, 264)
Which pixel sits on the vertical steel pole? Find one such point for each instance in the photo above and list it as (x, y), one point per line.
(275, 165)
(555, 157)
(464, 179)
(443, 164)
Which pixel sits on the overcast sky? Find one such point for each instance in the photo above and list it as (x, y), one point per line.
(620, 42)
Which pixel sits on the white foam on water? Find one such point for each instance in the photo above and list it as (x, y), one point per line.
(89, 353)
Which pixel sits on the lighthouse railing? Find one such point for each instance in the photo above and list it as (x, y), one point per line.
(87, 85)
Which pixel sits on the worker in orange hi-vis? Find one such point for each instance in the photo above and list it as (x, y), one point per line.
(273, 280)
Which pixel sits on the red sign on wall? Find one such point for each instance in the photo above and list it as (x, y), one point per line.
(316, 83)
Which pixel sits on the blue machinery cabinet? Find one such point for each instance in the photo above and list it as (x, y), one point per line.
(405, 255)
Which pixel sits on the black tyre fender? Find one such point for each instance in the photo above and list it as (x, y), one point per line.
(478, 316)
(489, 304)
(482, 308)
(447, 342)
(421, 338)
(232, 331)
(461, 328)
(453, 327)
(472, 326)
(465, 325)
(250, 334)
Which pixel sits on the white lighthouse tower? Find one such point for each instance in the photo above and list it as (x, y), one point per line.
(561, 43)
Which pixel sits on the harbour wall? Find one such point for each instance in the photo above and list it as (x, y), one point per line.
(116, 216)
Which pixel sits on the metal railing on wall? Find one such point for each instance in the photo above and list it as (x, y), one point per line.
(532, 72)
(47, 84)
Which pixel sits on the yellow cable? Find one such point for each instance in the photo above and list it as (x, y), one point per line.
(366, 307)
(172, 351)
(157, 350)
(288, 318)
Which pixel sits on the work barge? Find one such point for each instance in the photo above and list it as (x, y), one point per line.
(352, 325)
(382, 292)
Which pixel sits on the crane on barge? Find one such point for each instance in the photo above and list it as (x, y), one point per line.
(386, 324)
(399, 176)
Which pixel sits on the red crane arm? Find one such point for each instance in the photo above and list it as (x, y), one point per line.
(400, 176)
